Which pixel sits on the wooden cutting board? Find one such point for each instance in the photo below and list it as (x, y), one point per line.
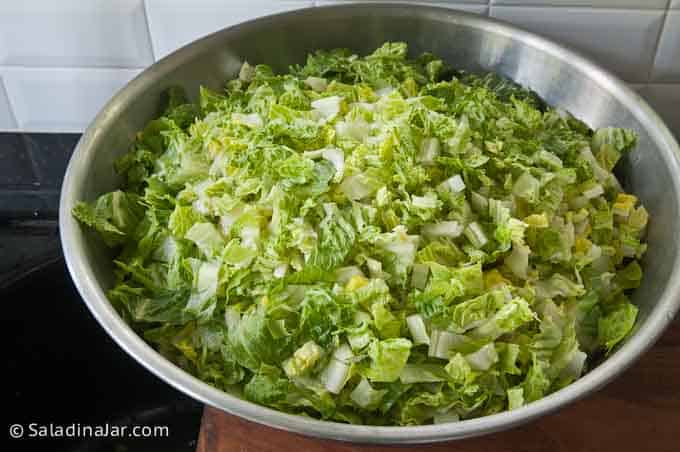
(638, 412)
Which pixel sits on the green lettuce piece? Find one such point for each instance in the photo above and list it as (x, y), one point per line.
(508, 318)
(303, 359)
(388, 358)
(609, 143)
(252, 342)
(114, 216)
(423, 406)
(335, 242)
(508, 357)
(202, 348)
(451, 283)
(460, 372)
(515, 398)
(536, 383)
(387, 324)
(441, 251)
(367, 397)
(474, 312)
(423, 373)
(165, 306)
(206, 237)
(616, 325)
(321, 315)
(270, 388)
(587, 317)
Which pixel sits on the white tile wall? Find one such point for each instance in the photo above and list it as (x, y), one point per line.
(7, 121)
(60, 99)
(74, 33)
(667, 61)
(174, 23)
(621, 40)
(60, 60)
(637, 4)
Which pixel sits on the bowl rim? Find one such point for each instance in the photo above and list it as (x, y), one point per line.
(73, 242)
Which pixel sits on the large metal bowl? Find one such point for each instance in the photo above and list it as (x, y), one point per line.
(563, 78)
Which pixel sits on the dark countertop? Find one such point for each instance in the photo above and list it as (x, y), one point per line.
(62, 367)
(31, 172)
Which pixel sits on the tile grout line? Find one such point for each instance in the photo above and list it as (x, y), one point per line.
(10, 103)
(650, 70)
(534, 6)
(10, 107)
(586, 6)
(145, 3)
(12, 67)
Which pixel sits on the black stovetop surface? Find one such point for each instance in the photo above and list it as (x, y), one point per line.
(63, 368)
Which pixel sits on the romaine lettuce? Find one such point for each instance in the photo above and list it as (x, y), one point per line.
(373, 240)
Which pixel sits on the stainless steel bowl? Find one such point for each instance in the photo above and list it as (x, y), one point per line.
(563, 78)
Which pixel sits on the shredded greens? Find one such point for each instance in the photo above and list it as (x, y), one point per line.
(374, 240)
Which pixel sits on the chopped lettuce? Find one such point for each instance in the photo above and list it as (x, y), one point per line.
(373, 240)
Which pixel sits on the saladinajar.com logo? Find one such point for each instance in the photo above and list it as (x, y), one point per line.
(76, 430)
